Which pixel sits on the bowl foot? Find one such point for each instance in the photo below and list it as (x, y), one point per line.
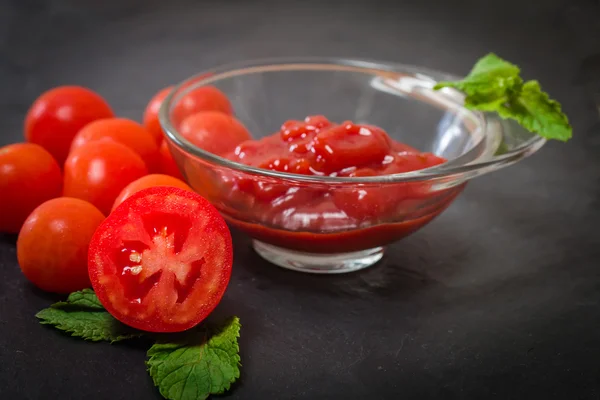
(315, 263)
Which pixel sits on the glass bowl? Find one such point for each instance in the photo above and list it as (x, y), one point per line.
(303, 227)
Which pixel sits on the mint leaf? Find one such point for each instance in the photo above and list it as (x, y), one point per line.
(538, 113)
(85, 298)
(494, 85)
(83, 316)
(192, 371)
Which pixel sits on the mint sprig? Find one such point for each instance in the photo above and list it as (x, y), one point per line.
(83, 316)
(495, 85)
(197, 370)
(188, 369)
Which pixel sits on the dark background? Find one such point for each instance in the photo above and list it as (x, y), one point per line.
(498, 298)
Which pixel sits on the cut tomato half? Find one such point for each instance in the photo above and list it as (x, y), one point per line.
(162, 260)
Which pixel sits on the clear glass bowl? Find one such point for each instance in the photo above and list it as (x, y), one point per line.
(303, 229)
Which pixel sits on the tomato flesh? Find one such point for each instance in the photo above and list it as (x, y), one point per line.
(162, 260)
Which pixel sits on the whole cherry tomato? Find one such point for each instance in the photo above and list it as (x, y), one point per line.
(29, 175)
(98, 171)
(167, 163)
(146, 182)
(124, 131)
(58, 114)
(205, 98)
(151, 114)
(214, 131)
(52, 247)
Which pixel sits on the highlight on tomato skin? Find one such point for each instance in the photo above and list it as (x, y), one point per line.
(58, 114)
(162, 260)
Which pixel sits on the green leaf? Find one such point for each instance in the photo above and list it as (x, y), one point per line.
(494, 85)
(85, 298)
(538, 113)
(192, 371)
(83, 316)
(490, 83)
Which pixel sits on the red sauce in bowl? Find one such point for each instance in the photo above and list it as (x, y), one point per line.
(328, 218)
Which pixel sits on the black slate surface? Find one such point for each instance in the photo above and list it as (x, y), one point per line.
(497, 298)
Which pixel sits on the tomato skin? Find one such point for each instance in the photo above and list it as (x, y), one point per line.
(153, 241)
(151, 114)
(52, 246)
(167, 163)
(29, 175)
(147, 182)
(58, 114)
(348, 145)
(205, 98)
(98, 171)
(214, 131)
(124, 131)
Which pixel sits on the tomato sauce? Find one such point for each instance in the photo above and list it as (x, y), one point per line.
(329, 218)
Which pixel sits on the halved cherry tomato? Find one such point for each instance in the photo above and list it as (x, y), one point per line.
(124, 131)
(147, 182)
(151, 114)
(58, 114)
(52, 247)
(167, 163)
(98, 171)
(205, 98)
(29, 175)
(214, 131)
(162, 260)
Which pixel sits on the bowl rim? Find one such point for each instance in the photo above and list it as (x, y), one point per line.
(441, 171)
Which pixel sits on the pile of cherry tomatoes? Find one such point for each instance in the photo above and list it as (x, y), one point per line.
(80, 161)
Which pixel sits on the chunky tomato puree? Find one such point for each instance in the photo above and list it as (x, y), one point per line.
(328, 218)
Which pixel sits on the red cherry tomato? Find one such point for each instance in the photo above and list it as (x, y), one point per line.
(124, 131)
(151, 114)
(167, 163)
(162, 260)
(147, 182)
(29, 175)
(57, 115)
(205, 98)
(52, 247)
(214, 131)
(98, 171)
